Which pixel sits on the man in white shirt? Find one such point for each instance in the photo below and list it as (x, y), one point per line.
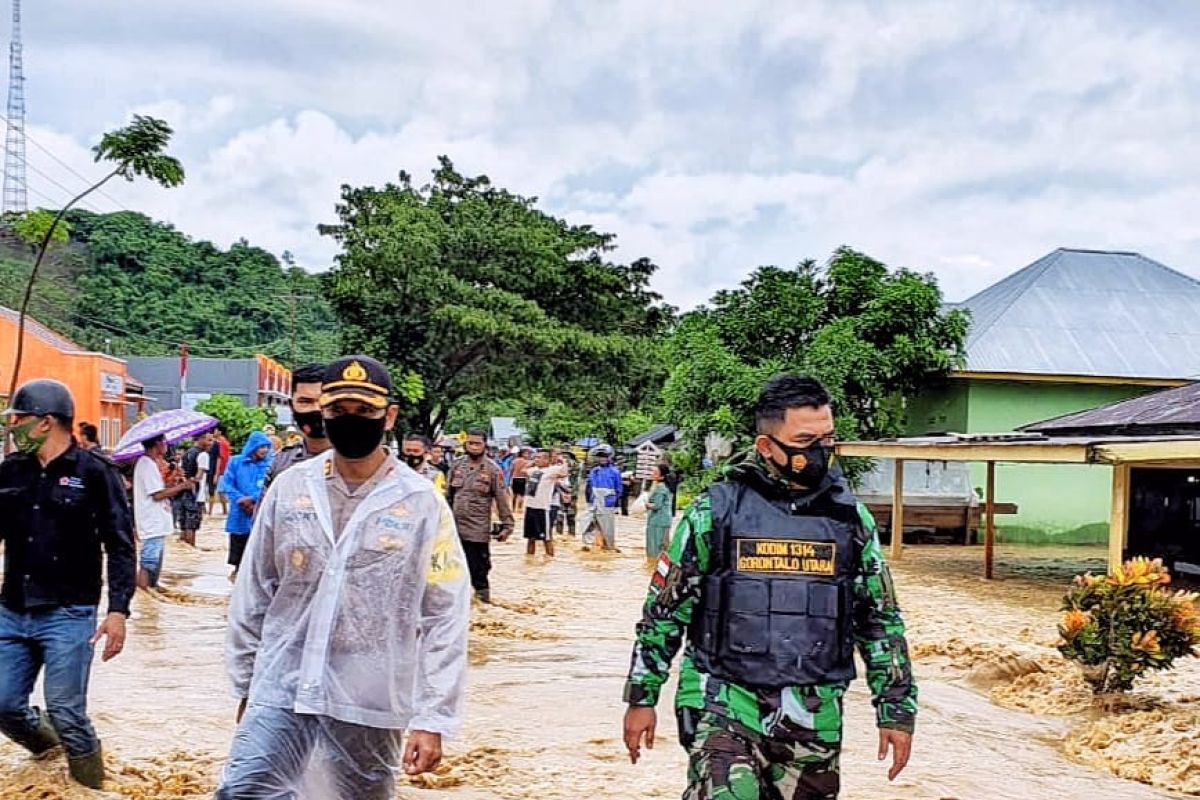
(152, 510)
(348, 625)
(541, 484)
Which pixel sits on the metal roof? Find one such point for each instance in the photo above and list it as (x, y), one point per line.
(1088, 313)
(1165, 412)
(656, 434)
(1033, 448)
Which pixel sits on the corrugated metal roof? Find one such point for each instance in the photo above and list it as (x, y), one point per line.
(40, 331)
(1171, 411)
(655, 434)
(1088, 312)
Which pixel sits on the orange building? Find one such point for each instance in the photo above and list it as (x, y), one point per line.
(104, 393)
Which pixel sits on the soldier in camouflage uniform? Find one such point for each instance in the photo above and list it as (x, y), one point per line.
(775, 574)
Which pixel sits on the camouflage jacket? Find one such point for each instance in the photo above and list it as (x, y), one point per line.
(674, 592)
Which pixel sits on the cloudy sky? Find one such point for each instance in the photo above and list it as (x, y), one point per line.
(965, 138)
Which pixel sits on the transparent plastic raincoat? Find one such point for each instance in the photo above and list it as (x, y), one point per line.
(368, 628)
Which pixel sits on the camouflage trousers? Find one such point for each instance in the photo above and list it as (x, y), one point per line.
(728, 761)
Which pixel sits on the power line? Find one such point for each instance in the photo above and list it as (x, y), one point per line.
(86, 180)
(70, 193)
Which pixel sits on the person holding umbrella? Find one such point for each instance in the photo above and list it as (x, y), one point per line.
(60, 507)
(152, 510)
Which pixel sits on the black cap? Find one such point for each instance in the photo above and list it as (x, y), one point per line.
(42, 398)
(359, 378)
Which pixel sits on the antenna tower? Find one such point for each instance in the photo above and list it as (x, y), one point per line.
(16, 198)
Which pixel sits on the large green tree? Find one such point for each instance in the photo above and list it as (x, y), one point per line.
(870, 334)
(481, 294)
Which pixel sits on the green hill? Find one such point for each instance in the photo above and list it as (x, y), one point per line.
(129, 285)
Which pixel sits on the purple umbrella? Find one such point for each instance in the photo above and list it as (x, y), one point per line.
(174, 426)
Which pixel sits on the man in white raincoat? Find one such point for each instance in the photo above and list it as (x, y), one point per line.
(348, 624)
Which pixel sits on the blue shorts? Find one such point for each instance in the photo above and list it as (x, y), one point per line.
(151, 557)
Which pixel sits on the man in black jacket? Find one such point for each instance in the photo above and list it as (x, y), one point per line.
(60, 506)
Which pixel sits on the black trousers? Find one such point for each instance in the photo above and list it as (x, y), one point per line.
(479, 563)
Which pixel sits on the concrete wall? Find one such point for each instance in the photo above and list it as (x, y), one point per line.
(1062, 504)
(236, 377)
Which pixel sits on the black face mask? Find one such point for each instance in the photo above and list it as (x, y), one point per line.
(415, 462)
(805, 466)
(353, 436)
(311, 423)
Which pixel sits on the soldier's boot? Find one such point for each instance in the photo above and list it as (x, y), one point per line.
(43, 739)
(484, 595)
(88, 770)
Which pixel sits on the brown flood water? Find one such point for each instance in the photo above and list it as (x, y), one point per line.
(544, 707)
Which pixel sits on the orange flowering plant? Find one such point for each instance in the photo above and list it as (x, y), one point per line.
(1121, 626)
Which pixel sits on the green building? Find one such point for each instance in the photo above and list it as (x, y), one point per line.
(1074, 330)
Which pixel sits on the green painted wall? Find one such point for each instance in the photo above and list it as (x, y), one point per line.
(941, 410)
(1058, 503)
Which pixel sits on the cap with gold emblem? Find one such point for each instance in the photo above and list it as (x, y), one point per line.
(359, 378)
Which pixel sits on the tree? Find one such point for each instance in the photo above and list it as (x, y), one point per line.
(870, 334)
(481, 294)
(135, 150)
(238, 419)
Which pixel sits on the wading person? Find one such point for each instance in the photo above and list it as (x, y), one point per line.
(476, 486)
(659, 514)
(152, 510)
(306, 413)
(60, 506)
(350, 626)
(569, 496)
(243, 483)
(218, 456)
(195, 466)
(520, 478)
(774, 574)
(541, 483)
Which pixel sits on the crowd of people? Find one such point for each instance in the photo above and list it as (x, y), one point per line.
(354, 564)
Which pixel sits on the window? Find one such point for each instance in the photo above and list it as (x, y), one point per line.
(104, 432)
(114, 432)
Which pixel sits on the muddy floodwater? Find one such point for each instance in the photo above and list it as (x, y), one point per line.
(1001, 715)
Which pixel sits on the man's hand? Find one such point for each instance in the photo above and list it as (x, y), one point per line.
(504, 535)
(422, 752)
(246, 504)
(901, 746)
(241, 712)
(640, 722)
(113, 631)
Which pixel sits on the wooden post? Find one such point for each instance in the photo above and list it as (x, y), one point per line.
(1118, 523)
(989, 530)
(898, 510)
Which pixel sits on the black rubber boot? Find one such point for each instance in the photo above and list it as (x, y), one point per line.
(88, 770)
(484, 595)
(43, 739)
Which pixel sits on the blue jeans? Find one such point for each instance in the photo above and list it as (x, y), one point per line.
(273, 758)
(151, 557)
(58, 639)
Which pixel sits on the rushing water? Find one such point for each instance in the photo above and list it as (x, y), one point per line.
(548, 663)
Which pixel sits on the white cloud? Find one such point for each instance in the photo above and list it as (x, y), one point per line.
(967, 139)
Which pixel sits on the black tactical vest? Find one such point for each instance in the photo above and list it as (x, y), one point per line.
(776, 610)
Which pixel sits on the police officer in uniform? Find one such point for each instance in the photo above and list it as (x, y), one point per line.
(306, 414)
(60, 506)
(774, 575)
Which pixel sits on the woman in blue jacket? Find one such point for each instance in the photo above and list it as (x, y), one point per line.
(243, 484)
